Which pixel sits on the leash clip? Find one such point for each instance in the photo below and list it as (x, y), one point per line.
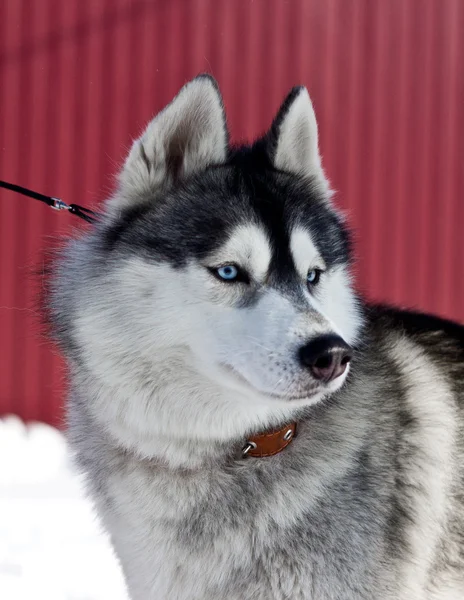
(58, 204)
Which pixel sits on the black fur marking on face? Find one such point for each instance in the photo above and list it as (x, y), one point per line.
(114, 233)
(196, 216)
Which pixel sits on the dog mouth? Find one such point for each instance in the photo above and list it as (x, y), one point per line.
(303, 395)
(306, 396)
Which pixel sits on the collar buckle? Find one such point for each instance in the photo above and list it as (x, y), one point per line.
(270, 443)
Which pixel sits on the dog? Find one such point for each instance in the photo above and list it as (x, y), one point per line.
(249, 427)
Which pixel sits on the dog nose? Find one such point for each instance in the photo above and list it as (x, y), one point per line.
(326, 357)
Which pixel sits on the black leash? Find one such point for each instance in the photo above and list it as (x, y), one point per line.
(56, 203)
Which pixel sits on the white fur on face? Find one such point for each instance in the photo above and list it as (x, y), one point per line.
(258, 346)
(305, 254)
(152, 387)
(337, 302)
(334, 298)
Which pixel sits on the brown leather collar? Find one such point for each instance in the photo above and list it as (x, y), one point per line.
(270, 443)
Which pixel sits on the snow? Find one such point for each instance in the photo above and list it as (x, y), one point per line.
(51, 546)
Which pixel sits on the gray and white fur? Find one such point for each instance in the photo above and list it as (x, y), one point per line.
(172, 367)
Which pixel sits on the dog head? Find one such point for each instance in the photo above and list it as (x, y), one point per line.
(228, 266)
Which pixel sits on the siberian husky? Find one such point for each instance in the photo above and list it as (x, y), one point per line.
(249, 427)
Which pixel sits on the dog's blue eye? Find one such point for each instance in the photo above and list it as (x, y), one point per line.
(228, 272)
(313, 276)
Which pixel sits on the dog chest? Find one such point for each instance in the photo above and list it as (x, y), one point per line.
(233, 534)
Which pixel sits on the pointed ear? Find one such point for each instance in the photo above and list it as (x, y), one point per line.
(293, 136)
(187, 136)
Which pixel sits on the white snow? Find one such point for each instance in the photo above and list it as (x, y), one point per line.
(51, 546)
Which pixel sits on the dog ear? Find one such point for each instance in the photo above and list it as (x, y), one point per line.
(293, 136)
(187, 136)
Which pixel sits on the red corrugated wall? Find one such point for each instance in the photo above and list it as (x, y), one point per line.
(79, 79)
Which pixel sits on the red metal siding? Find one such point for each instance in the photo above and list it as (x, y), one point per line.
(79, 79)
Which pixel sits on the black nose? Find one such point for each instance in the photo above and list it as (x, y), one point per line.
(326, 357)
